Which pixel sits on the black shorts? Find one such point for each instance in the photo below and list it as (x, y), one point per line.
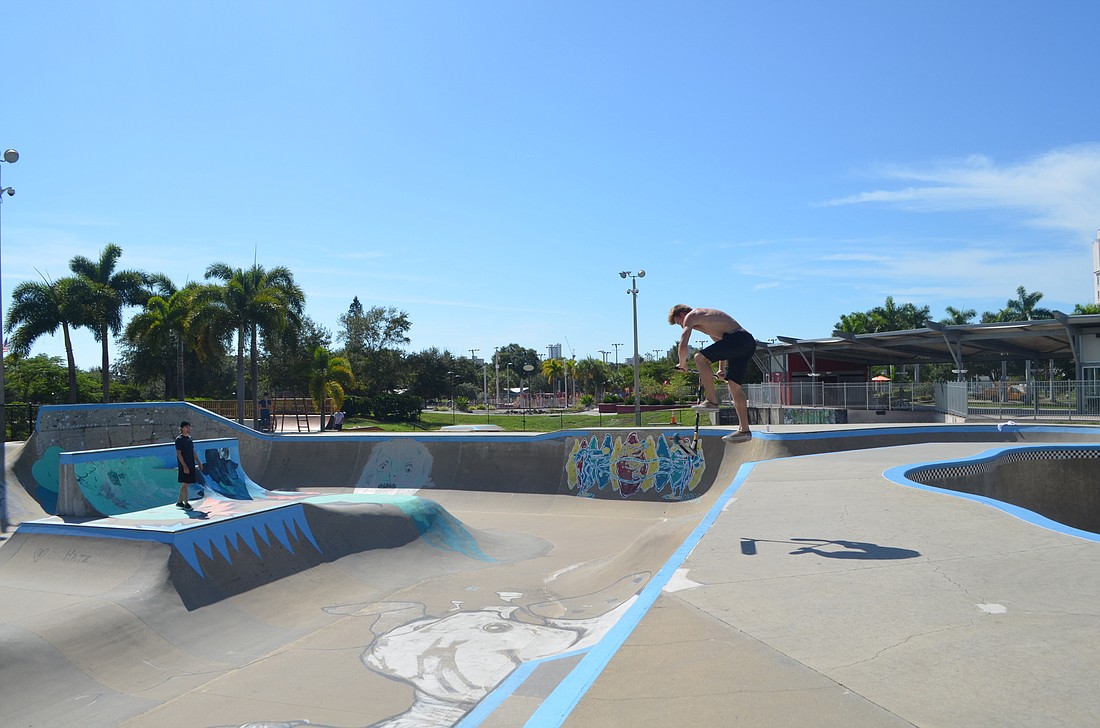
(188, 477)
(736, 349)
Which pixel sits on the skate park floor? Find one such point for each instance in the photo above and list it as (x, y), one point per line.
(815, 590)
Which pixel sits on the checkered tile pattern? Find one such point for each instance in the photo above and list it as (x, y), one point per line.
(942, 473)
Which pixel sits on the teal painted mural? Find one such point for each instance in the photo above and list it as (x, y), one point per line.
(46, 477)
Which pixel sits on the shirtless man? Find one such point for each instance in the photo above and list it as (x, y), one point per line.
(732, 343)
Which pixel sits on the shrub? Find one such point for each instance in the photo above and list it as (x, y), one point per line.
(396, 407)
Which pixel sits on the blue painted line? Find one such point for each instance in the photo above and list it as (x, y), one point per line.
(899, 475)
(69, 529)
(560, 703)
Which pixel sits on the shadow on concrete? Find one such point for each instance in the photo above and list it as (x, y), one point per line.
(835, 549)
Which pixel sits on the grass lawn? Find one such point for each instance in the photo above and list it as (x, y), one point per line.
(520, 422)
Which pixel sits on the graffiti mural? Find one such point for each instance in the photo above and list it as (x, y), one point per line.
(810, 417)
(146, 476)
(633, 466)
(45, 474)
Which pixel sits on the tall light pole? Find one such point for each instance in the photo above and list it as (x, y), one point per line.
(451, 376)
(473, 358)
(496, 374)
(633, 291)
(11, 157)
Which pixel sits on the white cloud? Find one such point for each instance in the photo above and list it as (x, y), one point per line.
(1057, 189)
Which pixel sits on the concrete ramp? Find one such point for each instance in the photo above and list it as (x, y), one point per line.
(346, 588)
(477, 579)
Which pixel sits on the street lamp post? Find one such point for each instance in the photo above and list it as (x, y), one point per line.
(473, 358)
(496, 375)
(633, 291)
(451, 375)
(11, 157)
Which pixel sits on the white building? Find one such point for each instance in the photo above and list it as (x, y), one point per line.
(1096, 269)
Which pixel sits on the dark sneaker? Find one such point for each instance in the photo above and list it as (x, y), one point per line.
(184, 506)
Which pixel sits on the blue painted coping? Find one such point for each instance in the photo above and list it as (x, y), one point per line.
(900, 474)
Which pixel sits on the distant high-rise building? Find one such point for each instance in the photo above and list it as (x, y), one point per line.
(1096, 269)
(554, 351)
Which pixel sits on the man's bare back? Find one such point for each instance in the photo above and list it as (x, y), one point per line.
(710, 321)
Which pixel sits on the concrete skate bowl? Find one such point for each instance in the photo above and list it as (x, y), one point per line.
(408, 578)
(1055, 486)
(415, 580)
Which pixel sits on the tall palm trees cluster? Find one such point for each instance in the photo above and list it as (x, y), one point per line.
(892, 317)
(239, 303)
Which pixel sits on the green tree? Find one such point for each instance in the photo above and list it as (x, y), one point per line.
(250, 301)
(164, 330)
(289, 355)
(428, 378)
(40, 379)
(592, 374)
(553, 369)
(106, 291)
(372, 338)
(328, 376)
(891, 317)
(43, 308)
(957, 316)
(887, 317)
(1024, 307)
(857, 322)
(1086, 308)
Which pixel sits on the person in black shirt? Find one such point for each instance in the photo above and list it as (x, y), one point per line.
(186, 463)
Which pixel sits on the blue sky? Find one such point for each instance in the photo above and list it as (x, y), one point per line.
(490, 167)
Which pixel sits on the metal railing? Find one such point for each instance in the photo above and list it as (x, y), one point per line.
(1036, 400)
(1051, 400)
(847, 395)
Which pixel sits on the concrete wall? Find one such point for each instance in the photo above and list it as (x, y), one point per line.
(641, 464)
(1060, 483)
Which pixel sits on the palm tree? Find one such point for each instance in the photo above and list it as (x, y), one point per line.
(891, 317)
(329, 374)
(552, 369)
(253, 300)
(43, 308)
(957, 316)
(856, 322)
(1023, 308)
(593, 374)
(165, 327)
(105, 293)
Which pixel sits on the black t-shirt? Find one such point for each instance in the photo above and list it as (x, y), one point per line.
(186, 446)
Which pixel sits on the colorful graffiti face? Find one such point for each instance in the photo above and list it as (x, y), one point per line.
(397, 464)
(633, 466)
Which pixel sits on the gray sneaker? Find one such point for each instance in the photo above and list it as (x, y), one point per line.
(705, 406)
(738, 437)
